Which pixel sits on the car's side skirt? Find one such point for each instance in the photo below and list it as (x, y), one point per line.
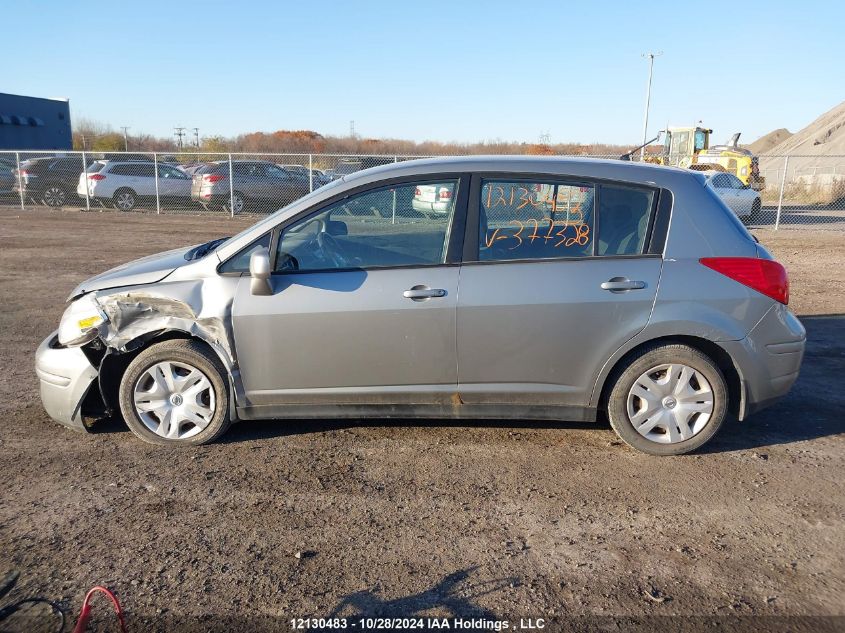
(435, 411)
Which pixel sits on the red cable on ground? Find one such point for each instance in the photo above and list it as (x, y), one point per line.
(85, 612)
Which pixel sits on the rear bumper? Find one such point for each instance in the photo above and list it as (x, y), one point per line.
(65, 377)
(207, 196)
(768, 359)
(430, 207)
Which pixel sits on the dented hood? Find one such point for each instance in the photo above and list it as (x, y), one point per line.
(147, 270)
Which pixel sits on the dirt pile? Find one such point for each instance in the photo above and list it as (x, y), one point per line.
(765, 143)
(818, 148)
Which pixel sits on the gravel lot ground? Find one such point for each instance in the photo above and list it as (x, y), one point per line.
(510, 520)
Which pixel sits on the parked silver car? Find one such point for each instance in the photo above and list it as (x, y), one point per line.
(549, 289)
(256, 185)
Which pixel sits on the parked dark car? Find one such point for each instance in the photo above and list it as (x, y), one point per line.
(350, 165)
(7, 177)
(256, 185)
(51, 180)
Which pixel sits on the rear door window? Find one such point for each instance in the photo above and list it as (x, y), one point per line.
(535, 220)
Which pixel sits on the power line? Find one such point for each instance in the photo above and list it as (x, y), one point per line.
(179, 132)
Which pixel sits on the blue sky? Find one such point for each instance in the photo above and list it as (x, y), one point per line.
(463, 71)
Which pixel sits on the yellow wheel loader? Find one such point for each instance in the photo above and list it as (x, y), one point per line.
(689, 147)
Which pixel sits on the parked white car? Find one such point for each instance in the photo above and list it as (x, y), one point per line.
(740, 198)
(433, 198)
(127, 183)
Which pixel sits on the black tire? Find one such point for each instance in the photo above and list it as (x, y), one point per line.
(54, 196)
(756, 212)
(185, 351)
(651, 357)
(240, 202)
(124, 199)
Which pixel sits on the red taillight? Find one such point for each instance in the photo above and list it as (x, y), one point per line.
(417, 191)
(763, 275)
(23, 172)
(96, 177)
(445, 194)
(212, 177)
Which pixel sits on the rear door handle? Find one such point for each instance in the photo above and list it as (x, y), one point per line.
(421, 293)
(619, 284)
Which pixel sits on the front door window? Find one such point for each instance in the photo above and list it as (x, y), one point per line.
(404, 225)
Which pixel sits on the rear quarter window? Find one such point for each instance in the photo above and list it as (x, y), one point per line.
(725, 209)
(624, 217)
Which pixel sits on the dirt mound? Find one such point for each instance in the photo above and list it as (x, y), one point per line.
(823, 137)
(817, 152)
(766, 142)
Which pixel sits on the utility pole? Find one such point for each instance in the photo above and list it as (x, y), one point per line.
(197, 137)
(651, 57)
(125, 137)
(179, 132)
(352, 129)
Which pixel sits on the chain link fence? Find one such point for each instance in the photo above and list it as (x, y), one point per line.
(795, 191)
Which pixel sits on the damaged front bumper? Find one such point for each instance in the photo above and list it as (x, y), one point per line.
(66, 375)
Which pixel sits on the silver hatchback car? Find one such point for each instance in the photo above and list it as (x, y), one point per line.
(548, 288)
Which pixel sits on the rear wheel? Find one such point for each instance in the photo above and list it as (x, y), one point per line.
(125, 199)
(668, 400)
(54, 196)
(176, 393)
(236, 203)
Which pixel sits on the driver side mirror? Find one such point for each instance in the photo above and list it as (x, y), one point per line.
(259, 271)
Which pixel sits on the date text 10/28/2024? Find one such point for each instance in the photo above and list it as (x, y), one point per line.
(416, 624)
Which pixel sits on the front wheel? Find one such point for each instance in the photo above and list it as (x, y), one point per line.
(668, 400)
(175, 393)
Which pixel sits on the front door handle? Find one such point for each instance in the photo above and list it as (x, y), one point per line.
(421, 293)
(621, 284)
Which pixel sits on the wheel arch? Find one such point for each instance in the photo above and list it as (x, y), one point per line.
(723, 360)
(114, 363)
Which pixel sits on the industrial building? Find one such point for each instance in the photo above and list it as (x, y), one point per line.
(29, 123)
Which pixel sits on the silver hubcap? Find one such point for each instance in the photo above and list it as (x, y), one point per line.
(174, 400)
(125, 201)
(54, 197)
(670, 403)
